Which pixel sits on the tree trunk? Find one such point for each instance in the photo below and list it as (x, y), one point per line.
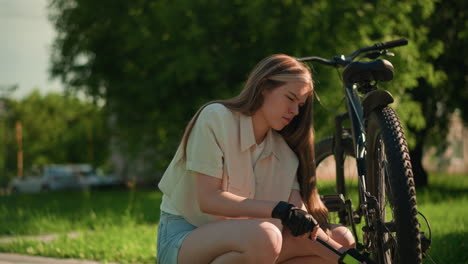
(416, 154)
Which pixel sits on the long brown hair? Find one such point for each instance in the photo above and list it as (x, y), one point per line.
(270, 73)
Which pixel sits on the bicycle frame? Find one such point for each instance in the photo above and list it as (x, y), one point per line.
(355, 114)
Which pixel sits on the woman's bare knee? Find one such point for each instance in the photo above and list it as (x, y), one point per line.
(252, 241)
(273, 234)
(230, 257)
(261, 244)
(266, 245)
(343, 236)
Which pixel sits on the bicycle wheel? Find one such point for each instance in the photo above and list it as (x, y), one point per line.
(394, 234)
(326, 170)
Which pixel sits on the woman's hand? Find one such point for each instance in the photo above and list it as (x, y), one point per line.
(297, 220)
(313, 235)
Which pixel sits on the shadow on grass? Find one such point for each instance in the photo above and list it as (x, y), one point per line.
(440, 193)
(449, 248)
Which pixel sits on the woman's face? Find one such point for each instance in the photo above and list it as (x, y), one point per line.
(282, 104)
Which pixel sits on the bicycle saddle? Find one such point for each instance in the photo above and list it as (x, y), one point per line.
(362, 72)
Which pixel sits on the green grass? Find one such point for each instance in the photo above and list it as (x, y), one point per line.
(445, 204)
(120, 226)
(111, 226)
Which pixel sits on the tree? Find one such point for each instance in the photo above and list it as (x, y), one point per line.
(440, 97)
(56, 129)
(155, 62)
(5, 92)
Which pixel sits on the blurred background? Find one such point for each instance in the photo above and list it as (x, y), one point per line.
(113, 84)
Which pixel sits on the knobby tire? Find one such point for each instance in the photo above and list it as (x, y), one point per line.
(390, 180)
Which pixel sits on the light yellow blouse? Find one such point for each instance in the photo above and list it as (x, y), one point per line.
(220, 145)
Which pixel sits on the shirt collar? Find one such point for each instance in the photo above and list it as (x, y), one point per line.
(247, 137)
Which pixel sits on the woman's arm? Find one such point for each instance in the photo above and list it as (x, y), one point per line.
(213, 200)
(295, 198)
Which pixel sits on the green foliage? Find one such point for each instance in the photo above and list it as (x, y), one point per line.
(444, 88)
(3, 149)
(155, 62)
(55, 129)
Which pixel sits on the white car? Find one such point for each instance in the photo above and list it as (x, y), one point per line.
(60, 177)
(51, 177)
(91, 180)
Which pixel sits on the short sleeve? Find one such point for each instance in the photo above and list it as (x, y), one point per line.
(204, 153)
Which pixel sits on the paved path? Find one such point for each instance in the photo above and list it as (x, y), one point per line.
(7, 258)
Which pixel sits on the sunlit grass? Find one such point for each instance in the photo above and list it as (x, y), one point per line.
(30, 214)
(111, 226)
(123, 244)
(120, 226)
(445, 205)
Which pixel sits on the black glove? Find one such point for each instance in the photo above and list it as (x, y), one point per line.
(297, 220)
(352, 256)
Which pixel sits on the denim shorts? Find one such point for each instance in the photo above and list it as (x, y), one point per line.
(172, 231)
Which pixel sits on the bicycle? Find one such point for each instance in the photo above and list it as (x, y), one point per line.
(375, 138)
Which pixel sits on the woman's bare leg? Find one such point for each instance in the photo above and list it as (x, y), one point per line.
(232, 241)
(231, 257)
(303, 250)
(342, 235)
(305, 260)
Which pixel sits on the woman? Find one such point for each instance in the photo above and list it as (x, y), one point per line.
(239, 161)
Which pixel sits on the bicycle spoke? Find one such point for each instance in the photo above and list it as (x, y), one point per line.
(388, 243)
